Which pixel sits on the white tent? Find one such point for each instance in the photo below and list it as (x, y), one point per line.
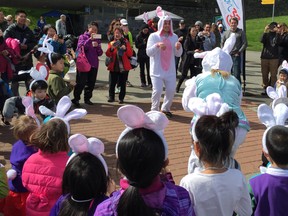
(152, 14)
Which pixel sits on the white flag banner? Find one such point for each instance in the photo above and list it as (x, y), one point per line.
(229, 9)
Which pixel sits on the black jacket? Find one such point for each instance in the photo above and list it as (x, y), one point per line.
(189, 47)
(141, 44)
(23, 35)
(270, 46)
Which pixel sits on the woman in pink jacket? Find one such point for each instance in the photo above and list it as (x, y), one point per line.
(43, 171)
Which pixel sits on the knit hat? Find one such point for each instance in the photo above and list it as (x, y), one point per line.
(199, 23)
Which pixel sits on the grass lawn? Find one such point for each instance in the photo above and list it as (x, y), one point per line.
(255, 29)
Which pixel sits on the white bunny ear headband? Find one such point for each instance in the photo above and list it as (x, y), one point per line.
(218, 59)
(271, 117)
(63, 106)
(212, 105)
(47, 48)
(79, 143)
(134, 117)
(29, 108)
(37, 75)
(278, 96)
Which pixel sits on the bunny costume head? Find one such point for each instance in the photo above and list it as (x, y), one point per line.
(134, 117)
(62, 107)
(79, 143)
(218, 59)
(163, 17)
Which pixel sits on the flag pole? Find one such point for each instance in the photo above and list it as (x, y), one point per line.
(244, 52)
(273, 11)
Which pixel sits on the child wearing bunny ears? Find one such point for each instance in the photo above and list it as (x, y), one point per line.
(85, 180)
(142, 151)
(43, 171)
(15, 202)
(282, 76)
(38, 88)
(269, 190)
(225, 189)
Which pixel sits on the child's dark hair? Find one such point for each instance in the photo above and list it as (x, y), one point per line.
(283, 71)
(277, 144)
(141, 157)
(24, 127)
(216, 136)
(55, 57)
(84, 178)
(17, 12)
(39, 84)
(93, 23)
(36, 52)
(52, 137)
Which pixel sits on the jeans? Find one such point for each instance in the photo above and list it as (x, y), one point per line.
(236, 68)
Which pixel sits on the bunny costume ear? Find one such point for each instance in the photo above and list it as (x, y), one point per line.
(212, 105)
(159, 12)
(271, 117)
(134, 117)
(218, 59)
(79, 143)
(63, 106)
(29, 108)
(37, 75)
(47, 48)
(145, 17)
(278, 96)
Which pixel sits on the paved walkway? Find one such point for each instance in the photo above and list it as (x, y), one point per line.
(103, 123)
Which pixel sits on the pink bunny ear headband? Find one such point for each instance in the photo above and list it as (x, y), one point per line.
(63, 106)
(212, 105)
(79, 143)
(37, 75)
(134, 117)
(29, 108)
(271, 117)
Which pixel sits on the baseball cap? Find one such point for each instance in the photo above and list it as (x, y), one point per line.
(182, 22)
(123, 22)
(220, 26)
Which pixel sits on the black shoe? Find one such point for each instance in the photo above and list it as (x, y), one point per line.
(121, 101)
(110, 100)
(168, 114)
(76, 103)
(89, 102)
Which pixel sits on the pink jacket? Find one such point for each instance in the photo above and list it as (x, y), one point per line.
(42, 176)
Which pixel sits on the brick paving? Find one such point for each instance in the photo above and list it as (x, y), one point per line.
(102, 122)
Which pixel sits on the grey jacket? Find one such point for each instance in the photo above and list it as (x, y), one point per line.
(241, 41)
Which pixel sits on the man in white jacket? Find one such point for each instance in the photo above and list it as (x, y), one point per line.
(162, 47)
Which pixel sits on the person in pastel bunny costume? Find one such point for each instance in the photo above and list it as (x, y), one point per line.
(162, 47)
(267, 191)
(142, 151)
(216, 78)
(282, 76)
(85, 179)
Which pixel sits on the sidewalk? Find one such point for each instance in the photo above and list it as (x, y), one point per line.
(102, 122)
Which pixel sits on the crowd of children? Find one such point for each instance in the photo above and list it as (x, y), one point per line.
(54, 174)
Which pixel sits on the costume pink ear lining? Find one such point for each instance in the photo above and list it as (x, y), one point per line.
(131, 116)
(79, 144)
(159, 12)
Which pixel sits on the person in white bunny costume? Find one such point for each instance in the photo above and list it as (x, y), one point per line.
(216, 78)
(162, 47)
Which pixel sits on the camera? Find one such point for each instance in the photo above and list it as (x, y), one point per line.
(60, 36)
